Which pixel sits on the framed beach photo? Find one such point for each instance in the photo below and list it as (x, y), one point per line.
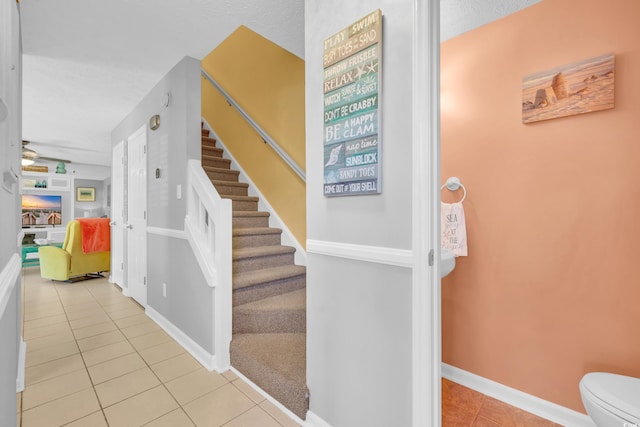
(86, 194)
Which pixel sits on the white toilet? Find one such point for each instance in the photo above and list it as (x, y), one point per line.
(611, 400)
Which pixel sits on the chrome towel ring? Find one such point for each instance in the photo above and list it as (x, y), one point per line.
(453, 184)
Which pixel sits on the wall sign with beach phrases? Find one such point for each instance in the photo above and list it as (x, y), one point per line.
(352, 79)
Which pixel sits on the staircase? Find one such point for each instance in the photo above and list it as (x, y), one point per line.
(269, 293)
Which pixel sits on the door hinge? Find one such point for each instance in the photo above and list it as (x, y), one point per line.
(122, 266)
(145, 149)
(431, 258)
(145, 214)
(144, 280)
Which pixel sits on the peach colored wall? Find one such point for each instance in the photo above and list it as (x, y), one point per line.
(551, 287)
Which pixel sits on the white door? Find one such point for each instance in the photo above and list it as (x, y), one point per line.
(117, 216)
(137, 216)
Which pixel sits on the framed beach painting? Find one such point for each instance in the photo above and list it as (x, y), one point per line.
(581, 87)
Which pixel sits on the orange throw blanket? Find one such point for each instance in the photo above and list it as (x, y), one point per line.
(96, 234)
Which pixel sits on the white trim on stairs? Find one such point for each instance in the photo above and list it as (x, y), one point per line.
(375, 254)
(287, 236)
(526, 402)
(315, 421)
(200, 354)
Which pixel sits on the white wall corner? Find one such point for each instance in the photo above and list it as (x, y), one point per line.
(527, 402)
(22, 356)
(314, 420)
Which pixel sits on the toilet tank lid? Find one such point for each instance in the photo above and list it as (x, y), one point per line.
(619, 391)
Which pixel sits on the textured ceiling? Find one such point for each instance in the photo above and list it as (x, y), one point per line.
(87, 63)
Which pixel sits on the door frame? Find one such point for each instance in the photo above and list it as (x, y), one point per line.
(130, 281)
(426, 319)
(117, 218)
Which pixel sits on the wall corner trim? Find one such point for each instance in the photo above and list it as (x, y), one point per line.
(200, 354)
(8, 278)
(375, 254)
(314, 420)
(527, 402)
(22, 359)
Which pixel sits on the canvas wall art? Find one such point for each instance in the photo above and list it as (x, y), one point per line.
(582, 87)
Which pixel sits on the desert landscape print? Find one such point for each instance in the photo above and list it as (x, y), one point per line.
(578, 88)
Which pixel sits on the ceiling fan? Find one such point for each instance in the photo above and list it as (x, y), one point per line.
(29, 155)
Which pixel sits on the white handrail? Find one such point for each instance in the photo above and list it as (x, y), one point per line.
(208, 227)
(265, 136)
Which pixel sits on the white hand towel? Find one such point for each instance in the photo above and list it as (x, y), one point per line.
(453, 228)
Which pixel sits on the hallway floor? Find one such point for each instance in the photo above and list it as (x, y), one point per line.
(94, 359)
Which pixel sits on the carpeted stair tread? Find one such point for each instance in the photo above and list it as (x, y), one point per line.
(221, 174)
(216, 162)
(230, 184)
(240, 198)
(280, 313)
(261, 251)
(282, 374)
(212, 151)
(242, 219)
(208, 141)
(252, 278)
(253, 231)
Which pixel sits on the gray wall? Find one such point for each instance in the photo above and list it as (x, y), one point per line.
(359, 352)
(188, 304)
(10, 137)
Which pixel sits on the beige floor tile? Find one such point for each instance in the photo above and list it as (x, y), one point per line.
(45, 321)
(108, 352)
(92, 330)
(253, 417)
(248, 390)
(55, 388)
(62, 411)
(50, 353)
(141, 408)
(125, 386)
(45, 310)
(83, 322)
(94, 420)
(53, 369)
(140, 329)
(161, 352)
(176, 418)
(137, 319)
(81, 311)
(18, 402)
(150, 340)
(18, 419)
(230, 375)
(218, 407)
(120, 312)
(116, 367)
(175, 367)
(280, 416)
(46, 331)
(195, 384)
(49, 340)
(100, 340)
(121, 305)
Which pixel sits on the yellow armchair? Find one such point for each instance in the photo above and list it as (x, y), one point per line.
(70, 261)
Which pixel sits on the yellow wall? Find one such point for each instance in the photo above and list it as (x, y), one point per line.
(268, 83)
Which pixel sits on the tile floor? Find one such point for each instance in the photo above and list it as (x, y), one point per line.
(462, 406)
(94, 359)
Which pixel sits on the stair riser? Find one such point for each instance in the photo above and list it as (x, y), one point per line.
(269, 322)
(250, 221)
(208, 142)
(268, 289)
(223, 176)
(261, 262)
(231, 190)
(244, 205)
(212, 151)
(256, 240)
(216, 162)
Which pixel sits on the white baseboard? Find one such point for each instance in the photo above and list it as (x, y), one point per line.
(526, 402)
(315, 421)
(268, 397)
(22, 355)
(274, 219)
(200, 354)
